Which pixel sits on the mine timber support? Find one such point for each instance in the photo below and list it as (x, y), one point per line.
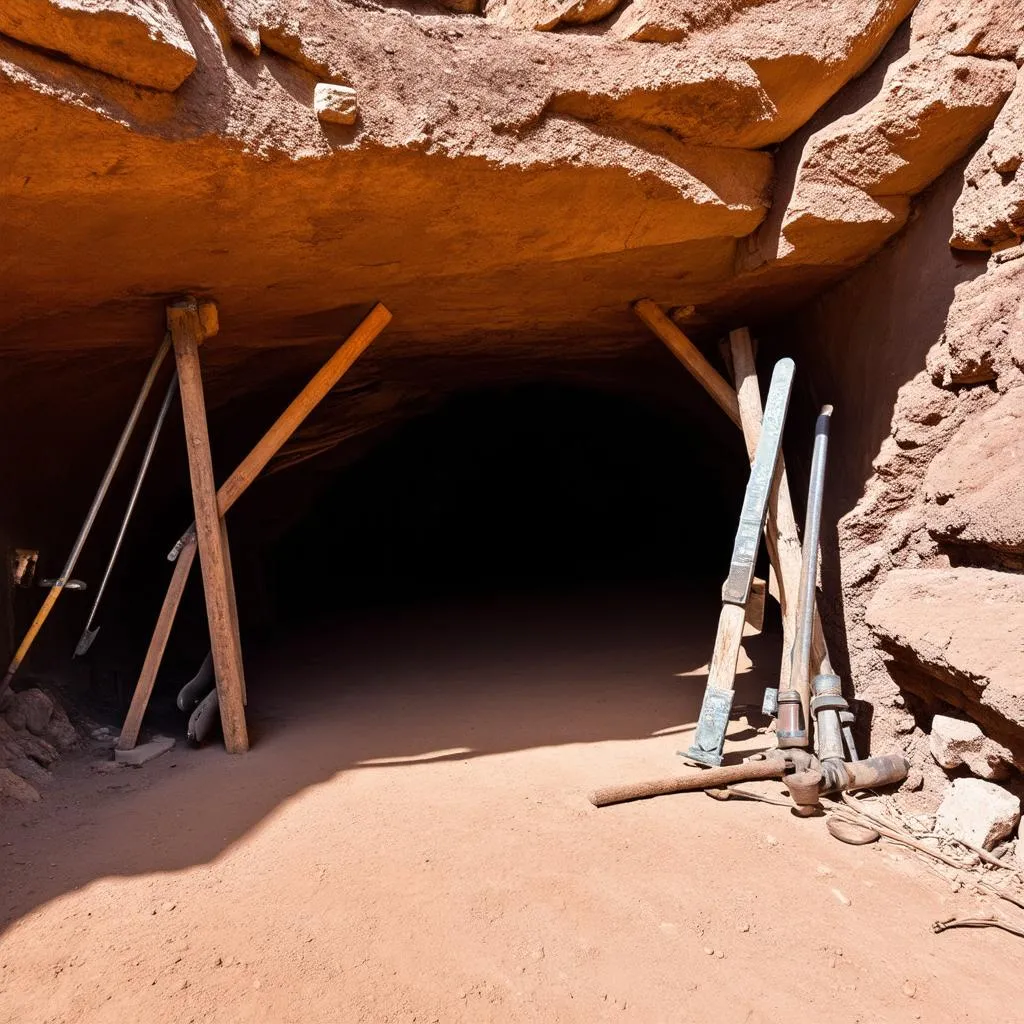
(187, 333)
(785, 552)
(718, 695)
(232, 489)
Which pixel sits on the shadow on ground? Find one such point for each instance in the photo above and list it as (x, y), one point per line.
(397, 687)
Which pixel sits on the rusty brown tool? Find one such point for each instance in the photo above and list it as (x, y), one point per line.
(711, 778)
(834, 776)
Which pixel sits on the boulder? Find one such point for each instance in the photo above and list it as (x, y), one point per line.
(984, 28)
(14, 787)
(30, 709)
(990, 211)
(335, 104)
(955, 741)
(856, 175)
(978, 812)
(59, 730)
(141, 41)
(962, 627)
(975, 486)
(30, 771)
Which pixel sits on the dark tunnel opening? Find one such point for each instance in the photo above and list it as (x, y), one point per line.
(574, 501)
(532, 488)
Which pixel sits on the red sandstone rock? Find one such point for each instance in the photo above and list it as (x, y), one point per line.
(990, 211)
(965, 627)
(141, 41)
(975, 485)
(857, 175)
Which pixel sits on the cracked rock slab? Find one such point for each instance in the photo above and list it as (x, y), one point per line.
(964, 627)
(141, 41)
(975, 486)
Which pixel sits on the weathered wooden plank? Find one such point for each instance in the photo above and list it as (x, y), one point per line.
(158, 642)
(187, 334)
(690, 356)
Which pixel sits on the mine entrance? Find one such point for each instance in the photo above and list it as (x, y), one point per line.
(572, 512)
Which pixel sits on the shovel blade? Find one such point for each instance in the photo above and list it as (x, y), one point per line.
(85, 642)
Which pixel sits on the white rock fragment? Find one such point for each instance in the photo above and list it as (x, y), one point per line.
(144, 751)
(955, 742)
(978, 812)
(335, 104)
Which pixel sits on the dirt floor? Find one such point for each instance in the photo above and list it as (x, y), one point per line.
(410, 841)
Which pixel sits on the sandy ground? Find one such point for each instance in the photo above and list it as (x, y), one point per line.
(410, 841)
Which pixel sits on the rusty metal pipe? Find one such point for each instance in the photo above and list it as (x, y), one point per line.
(835, 776)
(809, 572)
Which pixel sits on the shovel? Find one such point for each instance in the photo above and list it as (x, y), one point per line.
(61, 582)
(89, 634)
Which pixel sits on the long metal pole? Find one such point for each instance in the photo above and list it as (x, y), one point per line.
(809, 566)
(89, 634)
(83, 533)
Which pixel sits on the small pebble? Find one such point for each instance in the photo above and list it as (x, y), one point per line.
(744, 928)
(167, 907)
(720, 954)
(909, 989)
(709, 951)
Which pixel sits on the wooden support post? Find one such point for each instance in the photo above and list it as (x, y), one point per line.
(187, 334)
(780, 530)
(234, 487)
(743, 407)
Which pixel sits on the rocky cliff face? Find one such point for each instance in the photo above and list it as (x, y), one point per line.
(574, 167)
(508, 176)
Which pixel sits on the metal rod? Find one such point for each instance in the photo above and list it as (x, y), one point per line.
(89, 634)
(809, 565)
(83, 533)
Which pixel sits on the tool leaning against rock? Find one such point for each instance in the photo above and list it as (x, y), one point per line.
(807, 777)
(709, 738)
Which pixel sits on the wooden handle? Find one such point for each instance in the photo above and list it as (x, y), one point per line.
(712, 778)
(690, 356)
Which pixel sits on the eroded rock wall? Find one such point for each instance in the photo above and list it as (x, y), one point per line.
(926, 360)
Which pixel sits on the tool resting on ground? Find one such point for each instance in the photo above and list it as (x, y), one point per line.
(713, 778)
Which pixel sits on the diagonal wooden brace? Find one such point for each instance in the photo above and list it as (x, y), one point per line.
(233, 488)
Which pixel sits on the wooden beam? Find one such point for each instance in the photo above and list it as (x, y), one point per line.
(690, 356)
(187, 333)
(158, 642)
(307, 399)
(317, 388)
(781, 533)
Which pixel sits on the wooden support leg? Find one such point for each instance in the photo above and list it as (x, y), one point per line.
(232, 600)
(235, 486)
(144, 687)
(187, 333)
